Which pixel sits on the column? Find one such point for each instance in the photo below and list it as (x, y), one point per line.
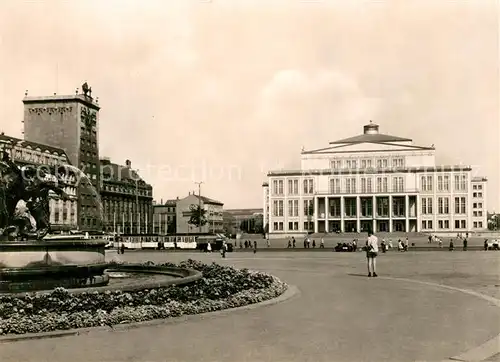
(327, 214)
(407, 213)
(390, 213)
(342, 213)
(316, 214)
(358, 214)
(374, 212)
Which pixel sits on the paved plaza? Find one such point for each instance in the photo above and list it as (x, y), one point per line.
(425, 306)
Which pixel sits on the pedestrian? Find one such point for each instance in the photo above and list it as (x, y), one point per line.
(314, 243)
(322, 243)
(241, 244)
(223, 249)
(246, 244)
(209, 248)
(268, 243)
(383, 246)
(308, 243)
(390, 243)
(354, 245)
(289, 244)
(485, 244)
(371, 254)
(400, 245)
(122, 248)
(254, 246)
(293, 241)
(406, 244)
(430, 239)
(465, 243)
(452, 246)
(305, 243)
(440, 242)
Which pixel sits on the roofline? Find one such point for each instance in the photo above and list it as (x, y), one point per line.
(80, 98)
(371, 171)
(397, 139)
(410, 148)
(479, 179)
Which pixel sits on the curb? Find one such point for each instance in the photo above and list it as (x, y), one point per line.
(291, 292)
(480, 353)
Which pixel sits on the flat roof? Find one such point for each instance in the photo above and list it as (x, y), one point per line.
(80, 98)
(420, 169)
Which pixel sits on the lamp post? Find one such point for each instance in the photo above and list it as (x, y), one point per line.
(199, 204)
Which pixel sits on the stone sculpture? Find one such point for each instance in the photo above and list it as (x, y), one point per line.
(32, 186)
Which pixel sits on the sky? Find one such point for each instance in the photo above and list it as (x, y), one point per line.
(222, 91)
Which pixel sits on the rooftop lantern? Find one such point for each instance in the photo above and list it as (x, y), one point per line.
(370, 128)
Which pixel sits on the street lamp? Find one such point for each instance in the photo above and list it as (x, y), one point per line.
(199, 204)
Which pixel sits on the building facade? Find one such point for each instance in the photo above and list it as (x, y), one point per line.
(214, 215)
(127, 199)
(233, 219)
(164, 217)
(71, 123)
(373, 182)
(63, 214)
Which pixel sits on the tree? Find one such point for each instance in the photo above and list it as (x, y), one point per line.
(198, 215)
(259, 224)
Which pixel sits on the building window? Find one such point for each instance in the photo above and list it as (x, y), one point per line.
(277, 207)
(350, 207)
(278, 226)
(382, 163)
(308, 226)
(293, 208)
(398, 162)
(424, 224)
(474, 194)
(352, 164)
(427, 205)
(460, 205)
(366, 163)
(479, 187)
(366, 185)
(308, 186)
(460, 182)
(350, 185)
(479, 205)
(443, 205)
(334, 205)
(293, 226)
(293, 187)
(479, 195)
(480, 224)
(479, 213)
(397, 184)
(383, 207)
(335, 164)
(474, 187)
(381, 184)
(335, 186)
(475, 224)
(277, 187)
(308, 207)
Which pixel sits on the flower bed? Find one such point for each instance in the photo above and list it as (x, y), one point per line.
(221, 287)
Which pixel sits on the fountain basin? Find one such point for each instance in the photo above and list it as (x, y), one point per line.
(41, 265)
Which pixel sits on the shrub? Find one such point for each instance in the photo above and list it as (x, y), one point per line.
(220, 288)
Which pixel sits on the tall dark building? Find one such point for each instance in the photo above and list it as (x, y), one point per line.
(127, 199)
(71, 123)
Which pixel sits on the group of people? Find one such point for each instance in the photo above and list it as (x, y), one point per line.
(248, 244)
(307, 243)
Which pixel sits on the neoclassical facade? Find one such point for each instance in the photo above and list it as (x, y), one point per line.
(377, 182)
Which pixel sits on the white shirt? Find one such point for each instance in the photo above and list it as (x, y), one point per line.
(372, 243)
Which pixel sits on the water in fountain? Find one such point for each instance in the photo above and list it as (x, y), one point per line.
(97, 197)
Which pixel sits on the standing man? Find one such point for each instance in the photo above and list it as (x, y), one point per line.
(371, 254)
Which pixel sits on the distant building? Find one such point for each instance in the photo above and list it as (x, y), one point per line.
(376, 182)
(126, 198)
(248, 217)
(70, 123)
(479, 206)
(63, 214)
(214, 215)
(164, 217)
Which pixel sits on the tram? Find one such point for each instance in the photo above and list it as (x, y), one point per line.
(154, 241)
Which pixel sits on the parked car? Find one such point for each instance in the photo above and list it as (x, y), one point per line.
(344, 247)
